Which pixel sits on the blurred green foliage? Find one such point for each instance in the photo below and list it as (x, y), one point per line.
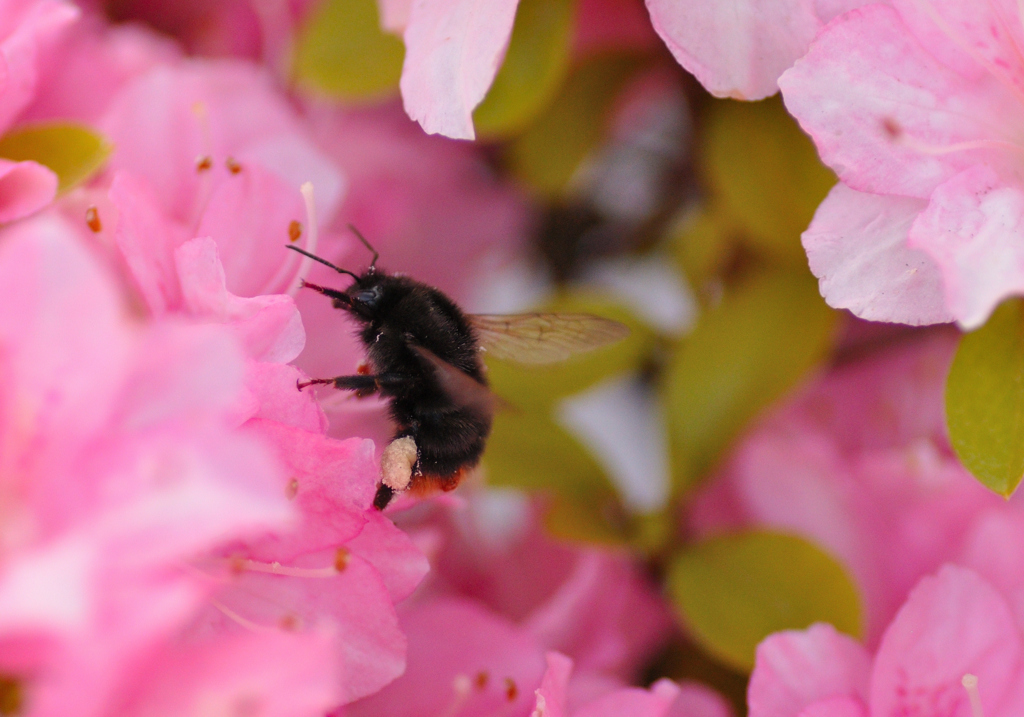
(536, 64)
(341, 51)
(72, 151)
(985, 400)
(733, 591)
(769, 330)
(548, 153)
(764, 175)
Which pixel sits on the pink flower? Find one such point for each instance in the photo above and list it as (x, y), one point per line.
(120, 465)
(952, 624)
(916, 107)
(859, 463)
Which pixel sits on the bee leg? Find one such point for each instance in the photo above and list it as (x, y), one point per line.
(396, 467)
(363, 384)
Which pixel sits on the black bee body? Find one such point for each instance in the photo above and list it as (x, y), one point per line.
(423, 355)
(410, 314)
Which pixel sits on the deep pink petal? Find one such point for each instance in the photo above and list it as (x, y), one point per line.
(794, 669)
(952, 624)
(453, 49)
(551, 695)
(653, 702)
(25, 188)
(392, 552)
(882, 109)
(858, 248)
(836, 707)
(973, 230)
(736, 48)
(698, 700)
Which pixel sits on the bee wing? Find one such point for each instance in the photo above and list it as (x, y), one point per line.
(458, 385)
(544, 338)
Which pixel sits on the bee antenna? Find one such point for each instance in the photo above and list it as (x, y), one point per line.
(373, 264)
(314, 257)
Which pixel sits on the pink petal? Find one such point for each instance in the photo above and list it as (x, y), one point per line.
(794, 669)
(736, 48)
(25, 188)
(269, 327)
(552, 691)
(19, 54)
(274, 386)
(980, 41)
(952, 624)
(881, 108)
(654, 702)
(392, 552)
(857, 247)
(394, 14)
(973, 229)
(836, 707)
(452, 643)
(147, 240)
(453, 49)
(698, 700)
(273, 674)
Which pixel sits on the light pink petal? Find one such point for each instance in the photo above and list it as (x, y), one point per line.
(952, 624)
(886, 115)
(653, 702)
(836, 707)
(973, 229)
(794, 669)
(857, 246)
(19, 52)
(49, 589)
(65, 342)
(147, 240)
(269, 327)
(736, 48)
(551, 695)
(453, 49)
(25, 188)
(394, 14)
(272, 674)
(981, 41)
(274, 386)
(985, 552)
(452, 644)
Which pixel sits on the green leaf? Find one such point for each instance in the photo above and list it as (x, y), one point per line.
(985, 400)
(537, 387)
(734, 591)
(766, 334)
(73, 151)
(547, 155)
(766, 174)
(341, 51)
(531, 451)
(535, 66)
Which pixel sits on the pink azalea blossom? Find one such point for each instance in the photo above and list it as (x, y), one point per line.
(953, 624)
(859, 463)
(916, 108)
(121, 465)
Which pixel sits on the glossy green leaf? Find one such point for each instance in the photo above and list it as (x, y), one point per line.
(765, 173)
(532, 386)
(535, 66)
(767, 333)
(531, 451)
(734, 591)
(72, 151)
(547, 155)
(985, 400)
(341, 51)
